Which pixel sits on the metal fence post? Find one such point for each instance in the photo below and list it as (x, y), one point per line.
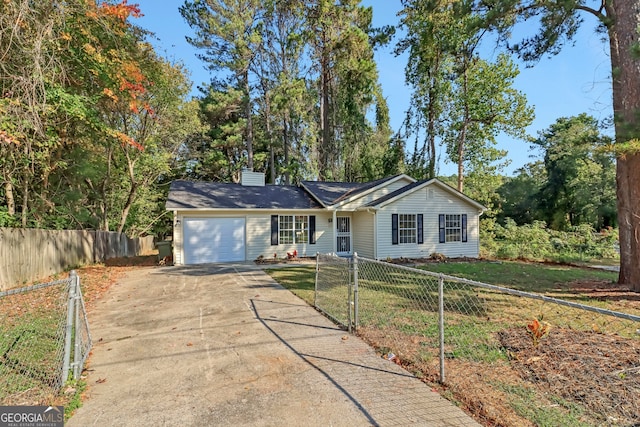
(315, 294)
(355, 290)
(350, 267)
(66, 361)
(77, 352)
(441, 324)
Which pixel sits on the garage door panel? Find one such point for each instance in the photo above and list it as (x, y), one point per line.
(214, 240)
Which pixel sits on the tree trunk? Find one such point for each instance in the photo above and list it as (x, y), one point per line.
(127, 206)
(25, 203)
(431, 132)
(623, 39)
(325, 144)
(8, 194)
(248, 112)
(461, 142)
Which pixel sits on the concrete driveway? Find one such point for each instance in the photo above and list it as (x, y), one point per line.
(226, 345)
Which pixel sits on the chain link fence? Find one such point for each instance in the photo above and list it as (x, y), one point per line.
(44, 340)
(488, 344)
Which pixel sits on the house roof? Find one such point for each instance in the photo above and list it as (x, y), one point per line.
(311, 195)
(410, 188)
(330, 193)
(214, 195)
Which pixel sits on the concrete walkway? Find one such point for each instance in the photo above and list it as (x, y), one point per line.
(226, 345)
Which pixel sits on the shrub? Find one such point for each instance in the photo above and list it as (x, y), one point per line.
(538, 243)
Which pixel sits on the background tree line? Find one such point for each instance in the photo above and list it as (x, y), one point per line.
(94, 124)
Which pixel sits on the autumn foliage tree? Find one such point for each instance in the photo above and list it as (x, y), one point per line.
(65, 68)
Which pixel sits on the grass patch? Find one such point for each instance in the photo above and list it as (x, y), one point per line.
(299, 280)
(30, 354)
(543, 410)
(531, 277)
(75, 401)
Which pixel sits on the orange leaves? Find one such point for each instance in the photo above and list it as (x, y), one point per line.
(126, 140)
(6, 138)
(121, 10)
(109, 93)
(538, 329)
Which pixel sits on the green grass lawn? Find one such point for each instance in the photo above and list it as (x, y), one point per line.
(299, 280)
(530, 277)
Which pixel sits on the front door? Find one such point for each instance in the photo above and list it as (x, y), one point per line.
(343, 235)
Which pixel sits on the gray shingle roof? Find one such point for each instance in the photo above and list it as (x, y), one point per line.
(330, 193)
(214, 195)
(396, 193)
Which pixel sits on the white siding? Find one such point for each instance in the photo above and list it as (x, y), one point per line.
(258, 233)
(363, 234)
(417, 202)
(250, 178)
(178, 258)
(259, 236)
(374, 195)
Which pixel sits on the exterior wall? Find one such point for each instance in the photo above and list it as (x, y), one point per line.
(430, 201)
(376, 194)
(178, 254)
(259, 236)
(258, 233)
(364, 234)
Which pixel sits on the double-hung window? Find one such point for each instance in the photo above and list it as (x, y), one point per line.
(293, 229)
(301, 229)
(285, 225)
(453, 228)
(407, 228)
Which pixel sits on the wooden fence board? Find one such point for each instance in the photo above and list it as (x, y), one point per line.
(27, 255)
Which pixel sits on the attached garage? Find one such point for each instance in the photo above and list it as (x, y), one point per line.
(214, 240)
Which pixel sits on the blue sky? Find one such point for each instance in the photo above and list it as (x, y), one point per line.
(573, 82)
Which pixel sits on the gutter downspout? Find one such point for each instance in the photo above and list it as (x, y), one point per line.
(374, 212)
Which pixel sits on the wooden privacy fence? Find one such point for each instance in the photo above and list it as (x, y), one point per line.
(30, 254)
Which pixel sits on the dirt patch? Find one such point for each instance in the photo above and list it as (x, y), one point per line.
(602, 290)
(437, 258)
(293, 260)
(98, 278)
(605, 379)
(589, 377)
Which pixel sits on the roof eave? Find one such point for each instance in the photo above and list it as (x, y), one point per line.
(316, 198)
(372, 189)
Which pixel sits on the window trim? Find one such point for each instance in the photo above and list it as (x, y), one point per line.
(418, 229)
(407, 223)
(306, 227)
(443, 220)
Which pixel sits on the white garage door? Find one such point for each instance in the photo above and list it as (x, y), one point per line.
(213, 240)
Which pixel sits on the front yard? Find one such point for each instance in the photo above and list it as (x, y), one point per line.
(576, 374)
